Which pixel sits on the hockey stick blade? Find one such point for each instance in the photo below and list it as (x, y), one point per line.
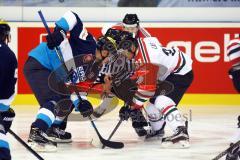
(226, 151)
(114, 130)
(110, 144)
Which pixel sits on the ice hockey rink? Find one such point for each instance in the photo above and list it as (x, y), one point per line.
(200, 28)
(210, 128)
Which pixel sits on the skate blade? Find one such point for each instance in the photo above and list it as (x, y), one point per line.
(42, 148)
(58, 140)
(153, 139)
(178, 145)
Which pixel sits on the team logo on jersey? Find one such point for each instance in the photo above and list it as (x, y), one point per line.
(78, 75)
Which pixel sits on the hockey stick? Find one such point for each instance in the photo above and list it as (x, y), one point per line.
(25, 145)
(107, 143)
(226, 151)
(114, 130)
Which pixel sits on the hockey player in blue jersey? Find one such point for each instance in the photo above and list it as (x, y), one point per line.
(42, 61)
(8, 77)
(47, 129)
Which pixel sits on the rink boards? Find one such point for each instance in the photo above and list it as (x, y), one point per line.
(204, 42)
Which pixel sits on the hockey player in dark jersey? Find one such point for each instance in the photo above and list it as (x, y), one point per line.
(8, 77)
(53, 90)
(42, 61)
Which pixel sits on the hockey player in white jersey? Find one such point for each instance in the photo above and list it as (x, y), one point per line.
(130, 23)
(173, 75)
(233, 52)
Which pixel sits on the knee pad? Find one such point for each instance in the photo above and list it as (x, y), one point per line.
(153, 113)
(163, 102)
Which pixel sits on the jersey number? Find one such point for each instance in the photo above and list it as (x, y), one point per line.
(168, 52)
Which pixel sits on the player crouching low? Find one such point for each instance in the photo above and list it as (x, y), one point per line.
(171, 71)
(51, 91)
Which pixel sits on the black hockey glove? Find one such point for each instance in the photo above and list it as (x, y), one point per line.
(124, 113)
(234, 153)
(6, 118)
(55, 38)
(138, 120)
(85, 108)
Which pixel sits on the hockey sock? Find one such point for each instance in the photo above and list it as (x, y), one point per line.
(45, 117)
(154, 116)
(169, 112)
(4, 107)
(140, 98)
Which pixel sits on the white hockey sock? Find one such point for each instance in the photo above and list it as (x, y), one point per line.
(140, 97)
(169, 111)
(155, 118)
(173, 117)
(157, 125)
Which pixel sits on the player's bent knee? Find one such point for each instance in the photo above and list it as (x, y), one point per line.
(153, 112)
(163, 102)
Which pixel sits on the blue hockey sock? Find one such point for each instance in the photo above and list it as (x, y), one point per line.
(45, 117)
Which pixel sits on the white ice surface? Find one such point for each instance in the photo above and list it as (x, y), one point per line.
(210, 129)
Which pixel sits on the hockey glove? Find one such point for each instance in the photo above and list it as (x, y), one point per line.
(138, 120)
(85, 108)
(55, 38)
(7, 118)
(234, 153)
(124, 113)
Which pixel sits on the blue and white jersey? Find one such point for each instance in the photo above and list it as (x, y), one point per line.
(80, 42)
(8, 76)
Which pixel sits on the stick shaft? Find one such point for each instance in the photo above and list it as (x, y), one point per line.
(114, 130)
(25, 145)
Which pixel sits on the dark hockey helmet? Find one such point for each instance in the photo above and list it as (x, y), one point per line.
(106, 43)
(127, 40)
(113, 33)
(131, 20)
(4, 30)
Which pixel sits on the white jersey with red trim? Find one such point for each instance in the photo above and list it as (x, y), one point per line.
(168, 60)
(233, 51)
